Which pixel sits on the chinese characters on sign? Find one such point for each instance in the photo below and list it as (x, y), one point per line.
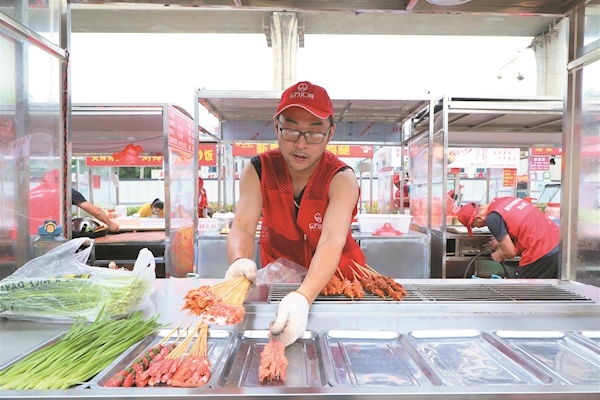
(546, 151)
(509, 177)
(181, 132)
(539, 163)
(341, 150)
(206, 157)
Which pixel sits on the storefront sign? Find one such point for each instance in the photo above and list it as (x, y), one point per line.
(345, 131)
(206, 157)
(539, 163)
(483, 157)
(546, 151)
(181, 132)
(207, 154)
(340, 150)
(110, 161)
(509, 177)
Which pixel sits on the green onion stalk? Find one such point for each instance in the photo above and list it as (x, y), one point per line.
(84, 351)
(73, 297)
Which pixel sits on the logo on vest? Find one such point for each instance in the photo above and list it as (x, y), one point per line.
(318, 225)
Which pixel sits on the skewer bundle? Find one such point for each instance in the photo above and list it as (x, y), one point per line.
(365, 279)
(273, 362)
(220, 304)
(193, 366)
(180, 367)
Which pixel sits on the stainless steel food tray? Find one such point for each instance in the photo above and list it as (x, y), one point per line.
(372, 358)
(591, 336)
(573, 360)
(217, 343)
(47, 343)
(472, 357)
(243, 359)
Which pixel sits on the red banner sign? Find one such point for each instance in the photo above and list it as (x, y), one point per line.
(181, 132)
(206, 157)
(546, 151)
(341, 150)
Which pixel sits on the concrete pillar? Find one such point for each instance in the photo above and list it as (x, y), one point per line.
(551, 59)
(284, 36)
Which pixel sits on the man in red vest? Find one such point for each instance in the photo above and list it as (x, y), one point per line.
(519, 229)
(307, 198)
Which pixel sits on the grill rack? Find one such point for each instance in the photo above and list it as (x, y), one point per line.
(509, 293)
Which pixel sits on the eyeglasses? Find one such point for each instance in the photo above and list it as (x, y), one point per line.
(293, 135)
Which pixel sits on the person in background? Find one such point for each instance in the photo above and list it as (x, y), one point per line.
(202, 200)
(156, 209)
(519, 229)
(44, 204)
(405, 195)
(307, 197)
(77, 199)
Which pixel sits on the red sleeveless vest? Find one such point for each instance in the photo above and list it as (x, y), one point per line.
(295, 238)
(533, 233)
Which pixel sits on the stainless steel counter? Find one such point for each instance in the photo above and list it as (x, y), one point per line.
(435, 317)
(402, 257)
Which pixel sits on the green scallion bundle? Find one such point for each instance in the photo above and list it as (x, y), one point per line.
(73, 296)
(84, 351)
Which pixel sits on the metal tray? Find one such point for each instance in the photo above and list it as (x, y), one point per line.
(567, 356)
(243, 359)
(591, 336)
(39, 347)
(217, 343)
(372, 358)
(472, 357)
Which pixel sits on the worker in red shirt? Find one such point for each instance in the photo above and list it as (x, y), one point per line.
(44, 203)
(519, 229)
(307, 198)
(202, 199)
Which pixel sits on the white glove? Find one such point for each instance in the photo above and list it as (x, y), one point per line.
(242, 267)
(291, 319)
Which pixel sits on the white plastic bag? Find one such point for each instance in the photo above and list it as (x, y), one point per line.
(59, 287)
(281, 270)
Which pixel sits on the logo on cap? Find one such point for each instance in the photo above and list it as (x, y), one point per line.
(302, 86)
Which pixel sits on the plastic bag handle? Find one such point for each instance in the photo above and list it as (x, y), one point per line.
(144, 260)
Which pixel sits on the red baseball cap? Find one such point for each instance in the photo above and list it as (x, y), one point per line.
(466, 215)
(312, 98)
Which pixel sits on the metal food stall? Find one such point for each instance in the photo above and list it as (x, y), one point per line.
(452, 339)
(165, 132)
(247, 117)
(484, 123)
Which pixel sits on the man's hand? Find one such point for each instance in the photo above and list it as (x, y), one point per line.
(291, 319)
(498, 256)
(493, 244)
(113, 227)
(242, 267)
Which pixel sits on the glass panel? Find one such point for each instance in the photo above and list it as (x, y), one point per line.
(418, 151)
(30, 148)
(179, 181)
(588, 256)
(437, 177)
(41, 16)
(591, 28)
